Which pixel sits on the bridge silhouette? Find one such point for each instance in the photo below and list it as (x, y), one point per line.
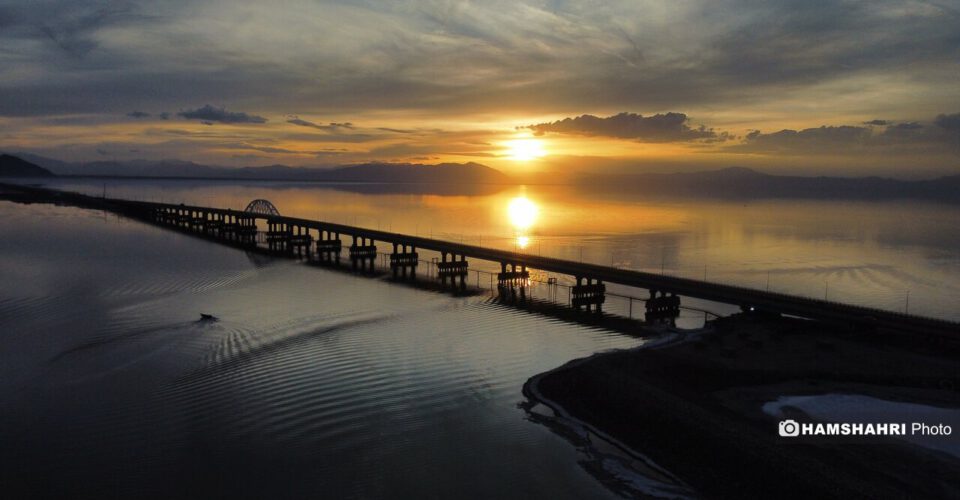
(322, 242)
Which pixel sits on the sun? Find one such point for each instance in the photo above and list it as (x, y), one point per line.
(525, 149)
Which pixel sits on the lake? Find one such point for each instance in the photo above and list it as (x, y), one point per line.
(321, 383)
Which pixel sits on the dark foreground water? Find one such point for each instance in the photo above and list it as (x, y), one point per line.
(314, 383)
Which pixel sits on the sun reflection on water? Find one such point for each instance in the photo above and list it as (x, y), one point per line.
(522, 212)
(523, 215)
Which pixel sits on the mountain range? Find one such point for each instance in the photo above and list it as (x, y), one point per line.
(733, 182)
(739, 182)
(443, 173)
(11, 166)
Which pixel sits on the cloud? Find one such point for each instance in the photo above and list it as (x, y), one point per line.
(164, 115)
(879, 123)
(72, 26)
(516, 57)
(138, 114)
(302, 123)
(211, 114)
(919, 137)
(809, 140)
(331, 127)
(669, 127)
(284, 151)
(948, 122)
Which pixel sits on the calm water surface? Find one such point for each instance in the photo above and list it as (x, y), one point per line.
(314, 382)
(321, 383)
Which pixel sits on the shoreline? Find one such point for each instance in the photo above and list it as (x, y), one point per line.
(666, 482)
(692, 406)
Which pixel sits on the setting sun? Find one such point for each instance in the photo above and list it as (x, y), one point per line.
(525, 149)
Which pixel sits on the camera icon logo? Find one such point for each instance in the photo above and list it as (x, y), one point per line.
(789, 428)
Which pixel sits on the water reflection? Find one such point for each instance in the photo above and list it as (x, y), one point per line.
(523, 242)
(868, 253)
(311, 381)
(522, 214)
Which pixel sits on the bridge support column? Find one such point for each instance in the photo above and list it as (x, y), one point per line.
(589, 295)
(183, 217)
(231, 227)
(510, 282)
(363, 254)
(246, 230)
(198, 220)
(280, 237)
(402, 259)
(453, 269)
(300, 241)
(213, 224)
(662, 308)
(329, 247)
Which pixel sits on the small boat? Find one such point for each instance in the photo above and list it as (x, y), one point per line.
(207, 317)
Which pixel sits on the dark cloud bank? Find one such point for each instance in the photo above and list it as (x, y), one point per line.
(662, 127)
(942, 132)
(330, 127)
(209, 114)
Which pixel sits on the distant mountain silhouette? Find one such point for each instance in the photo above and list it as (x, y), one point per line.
(739, 182)
(444, 173)
(733, 182)
(11, 166)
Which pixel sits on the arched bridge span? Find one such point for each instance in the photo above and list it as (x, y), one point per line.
(262, 207)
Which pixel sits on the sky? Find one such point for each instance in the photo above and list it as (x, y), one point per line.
(805, 87)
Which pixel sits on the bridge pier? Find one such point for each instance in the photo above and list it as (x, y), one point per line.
(231, 228)
(213, 224)
(183, 217)
(363, 254)
(453, 269)
(245, 230)
(509, 282)
(300, 241)
(662, 308)
(198, 220)
(588, 295)
(278, 236)
(329, 247)
(403, 259)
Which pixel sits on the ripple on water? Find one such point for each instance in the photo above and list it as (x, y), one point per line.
(311, 381)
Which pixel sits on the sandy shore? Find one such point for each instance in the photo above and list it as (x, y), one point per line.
(695, 408)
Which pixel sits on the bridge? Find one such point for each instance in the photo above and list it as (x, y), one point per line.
(323, 242)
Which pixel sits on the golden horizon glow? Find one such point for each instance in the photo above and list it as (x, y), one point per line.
(525, 149)
(523, 241)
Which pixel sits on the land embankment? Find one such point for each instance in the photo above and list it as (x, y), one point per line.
(697, 408)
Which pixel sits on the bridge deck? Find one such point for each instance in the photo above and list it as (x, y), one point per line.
(764, 300)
